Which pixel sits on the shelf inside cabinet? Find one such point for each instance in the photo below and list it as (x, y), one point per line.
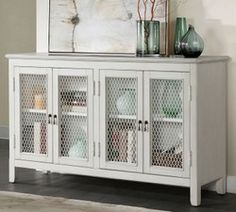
(35, 111)
(167, 119)
(129, 117)
(74, 114)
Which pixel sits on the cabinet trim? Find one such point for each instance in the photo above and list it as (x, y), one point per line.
(110, 174)
(14, 84)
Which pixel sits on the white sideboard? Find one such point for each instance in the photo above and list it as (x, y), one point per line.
(157, 120)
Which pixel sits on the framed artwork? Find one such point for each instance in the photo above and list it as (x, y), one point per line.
(101, 26)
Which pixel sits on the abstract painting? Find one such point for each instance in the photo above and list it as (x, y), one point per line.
(94, 26)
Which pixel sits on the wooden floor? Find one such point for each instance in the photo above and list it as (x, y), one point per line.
(109, 191)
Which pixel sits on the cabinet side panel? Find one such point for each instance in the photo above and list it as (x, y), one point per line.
(211, 117)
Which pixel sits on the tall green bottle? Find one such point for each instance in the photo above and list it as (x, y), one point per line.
(180, 30)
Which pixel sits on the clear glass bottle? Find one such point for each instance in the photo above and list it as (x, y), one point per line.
(148, 38)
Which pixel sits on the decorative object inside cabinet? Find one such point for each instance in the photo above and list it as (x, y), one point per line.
(121, 145)
(167, 123)
(74, 117)
(122, 141)
(33, 91)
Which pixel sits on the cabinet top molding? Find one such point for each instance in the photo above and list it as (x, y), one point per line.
(117, 58)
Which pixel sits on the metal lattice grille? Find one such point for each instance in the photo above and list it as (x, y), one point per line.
(33, 96)
(121, 106)
(73, 121)
(167, 123)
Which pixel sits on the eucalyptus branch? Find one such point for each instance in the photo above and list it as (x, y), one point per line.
(139, 13)
(158, 3)
(153, 2)
(145, 9)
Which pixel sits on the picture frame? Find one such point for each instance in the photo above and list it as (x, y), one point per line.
(104, 27)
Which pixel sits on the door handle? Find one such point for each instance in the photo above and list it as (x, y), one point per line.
(49, 118)
(140, 125)
(146, 126)
(55, 119)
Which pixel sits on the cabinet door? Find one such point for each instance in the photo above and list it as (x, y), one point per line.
(33, 104)
(120, 112)
(73, 117)
(166, 123)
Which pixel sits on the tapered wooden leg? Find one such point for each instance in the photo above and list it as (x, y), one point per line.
(221, 186)
(195, 195)
(11, 172)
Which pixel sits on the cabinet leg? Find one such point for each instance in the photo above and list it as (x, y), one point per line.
(195, 195)
(221, 186)
(11, 173)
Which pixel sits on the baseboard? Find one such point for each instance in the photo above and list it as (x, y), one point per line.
(230, 185)
(4, 132)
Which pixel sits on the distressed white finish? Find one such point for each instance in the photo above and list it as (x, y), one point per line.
(18, 110)
(136, 75)
(148, 96)
(58, 158)
(205, 95)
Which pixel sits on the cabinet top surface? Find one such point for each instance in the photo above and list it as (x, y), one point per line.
(117, 58)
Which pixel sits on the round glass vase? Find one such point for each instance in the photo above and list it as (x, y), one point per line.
(148, 38)
(192, 44)
(126, 102)
(180, 30)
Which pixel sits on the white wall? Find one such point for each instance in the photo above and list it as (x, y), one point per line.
(215, 20)
(17, 34)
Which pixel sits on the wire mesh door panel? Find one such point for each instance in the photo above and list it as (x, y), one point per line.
(33, 106)
(166, 131)
(75, 115)
(121, 105)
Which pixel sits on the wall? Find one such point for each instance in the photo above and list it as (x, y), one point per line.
(17, 34)
(215, 21)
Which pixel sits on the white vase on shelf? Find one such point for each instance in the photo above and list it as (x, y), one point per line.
(126, 103)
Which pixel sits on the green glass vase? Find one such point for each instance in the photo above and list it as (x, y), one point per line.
(148, 38)
(180, 30)
(192, 44)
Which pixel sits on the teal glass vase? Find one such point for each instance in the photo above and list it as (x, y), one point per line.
(192, 44)
(148, 38)
(180, 30)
